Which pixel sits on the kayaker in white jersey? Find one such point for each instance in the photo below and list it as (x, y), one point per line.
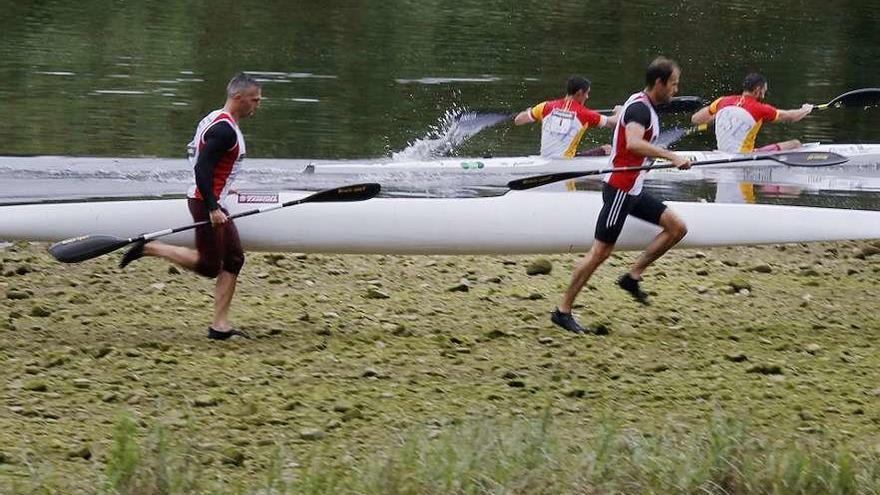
(564, 121)
(216, 152)
(738, 118)
(622, 193)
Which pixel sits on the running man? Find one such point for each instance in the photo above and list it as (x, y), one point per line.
(622, 192)
(216, 151)
(738, 118)
(565, 121)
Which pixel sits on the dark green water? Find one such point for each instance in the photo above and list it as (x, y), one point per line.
(363, 79)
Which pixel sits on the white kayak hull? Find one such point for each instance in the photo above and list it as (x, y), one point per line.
(859, 155)
(171, 170)
(517, 223)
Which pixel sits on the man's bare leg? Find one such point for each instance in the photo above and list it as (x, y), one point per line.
(674, 230)
(182, 256)
(223, 292)
(599, 252)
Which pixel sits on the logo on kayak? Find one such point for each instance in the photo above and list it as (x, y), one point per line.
(352, 190)
(257, 197)
(472, 165)
(72, 239)
(817, 157)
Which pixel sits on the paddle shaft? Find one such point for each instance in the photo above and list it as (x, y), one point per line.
(161, 233)
(78, 249)
(734, 159)
(357, 192)
(678, 104)
(789, 158)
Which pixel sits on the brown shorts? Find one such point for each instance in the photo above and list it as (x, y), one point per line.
(219, 248)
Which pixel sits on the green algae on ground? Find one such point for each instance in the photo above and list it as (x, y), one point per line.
(793, 352)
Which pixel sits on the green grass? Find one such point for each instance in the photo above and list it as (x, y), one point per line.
(151, 466)
(432, 391)
(535, 457)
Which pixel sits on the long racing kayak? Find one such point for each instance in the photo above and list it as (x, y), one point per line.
(179, 170)
(519, 222)
(859, 155)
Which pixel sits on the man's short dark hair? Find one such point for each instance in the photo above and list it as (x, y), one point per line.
(240, 82)
(661, 68)
(575, 84)
(754, 81)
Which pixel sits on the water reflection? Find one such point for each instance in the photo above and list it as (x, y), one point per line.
(363, 79)
(832, 187)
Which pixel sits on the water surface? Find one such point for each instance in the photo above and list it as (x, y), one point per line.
(365, 80)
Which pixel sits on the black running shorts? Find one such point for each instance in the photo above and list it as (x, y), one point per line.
(617, 205)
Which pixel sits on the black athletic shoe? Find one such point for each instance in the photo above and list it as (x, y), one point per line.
(218, 335)
(567, 322)
(135, 252)
(631, 285)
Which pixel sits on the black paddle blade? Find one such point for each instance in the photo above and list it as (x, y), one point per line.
(859, 98)
(809, 158)
(671, 136)
(354, 192)
(84, 248)
(541, 180)
(682, 104)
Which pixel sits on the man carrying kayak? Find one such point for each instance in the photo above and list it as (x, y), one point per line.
(622, 193)
(564, 121)
(216, 151)
(738, 118)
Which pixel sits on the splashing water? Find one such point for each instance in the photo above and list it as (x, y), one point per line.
(454, 128)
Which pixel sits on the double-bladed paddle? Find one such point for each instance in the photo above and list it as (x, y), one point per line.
(857, 98)
(83, 248)
(863, 98)
(669, 137)
(792, 159)
(678, 104)
(482, 119)
(682, 104)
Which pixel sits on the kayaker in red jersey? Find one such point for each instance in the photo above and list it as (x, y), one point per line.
(565, 121)
(738, 118)
(622, 193)
(216, 152)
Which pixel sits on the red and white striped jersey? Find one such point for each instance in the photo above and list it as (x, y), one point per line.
(225, 170)
(631, 182)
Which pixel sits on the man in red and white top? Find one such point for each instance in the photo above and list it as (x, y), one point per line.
(739, 118)
(216, 152)
(622, 193)
(565, 121)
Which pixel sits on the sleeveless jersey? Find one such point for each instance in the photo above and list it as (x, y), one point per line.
(738, 118)
(631, 182)
(563, 124)
(227, 167)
